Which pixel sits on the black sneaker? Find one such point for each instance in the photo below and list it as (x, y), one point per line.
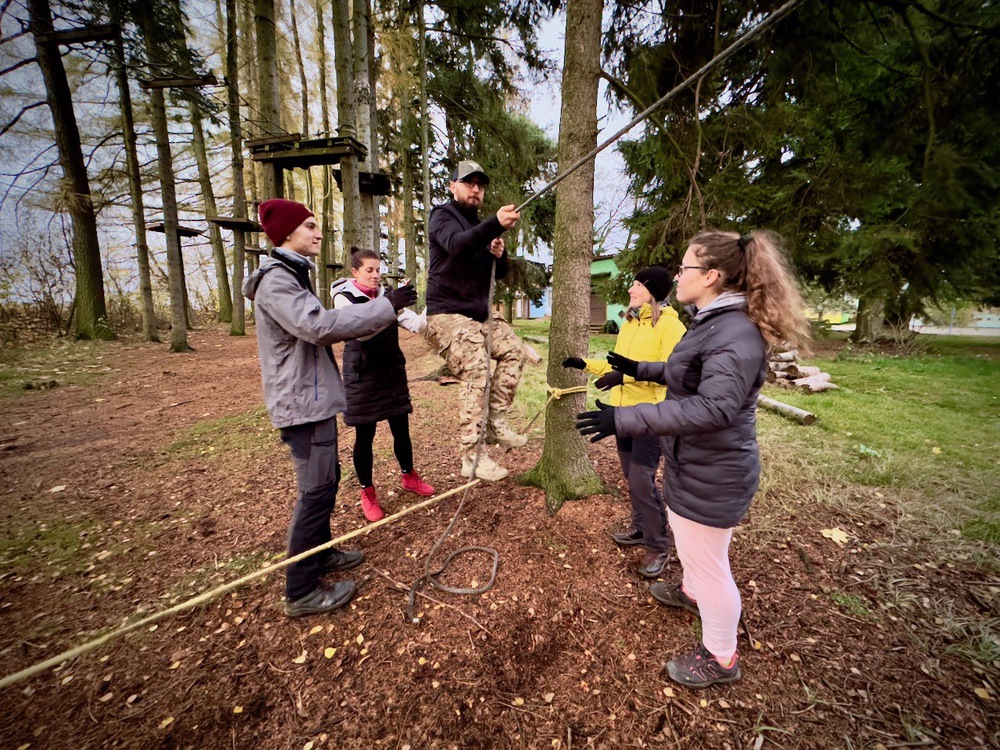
(342, 560)
(321, 599)
(673, 595)
(628, 538)
(699, 669)
(653, 564)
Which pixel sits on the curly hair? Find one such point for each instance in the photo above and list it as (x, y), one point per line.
(755, 264)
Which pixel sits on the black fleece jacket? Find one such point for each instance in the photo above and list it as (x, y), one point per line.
(458, 280)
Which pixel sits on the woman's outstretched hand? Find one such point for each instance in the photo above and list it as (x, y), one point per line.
(600, 424)
(575, 362)
(609, 380)
(623, 364)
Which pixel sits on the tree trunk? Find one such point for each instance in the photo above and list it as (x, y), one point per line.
(248, 44)
(302, 69)
(214, 233)
(870, 319)
(409, 226)
(135, 192)
(425, 139)
(564, 471)
(347, 127)
(272, 181)
(363, 99)
(175, 264)
(238, 325)
(326, 245)
(91, 309)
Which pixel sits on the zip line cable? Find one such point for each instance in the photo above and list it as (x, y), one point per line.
(732, 49)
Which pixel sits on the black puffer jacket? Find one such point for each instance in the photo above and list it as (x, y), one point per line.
(458, 280)
(713, 377)
(374, 373)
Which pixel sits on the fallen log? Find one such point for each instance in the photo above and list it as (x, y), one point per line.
(787, 410)
(788, 356)
(775, 375)
(802, 371)
(780, 366)
(817, 387)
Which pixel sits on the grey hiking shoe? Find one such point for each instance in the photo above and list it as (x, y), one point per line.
(342, 560)
(699, 669)
(673, 595)
(321, 599)
(486, 469)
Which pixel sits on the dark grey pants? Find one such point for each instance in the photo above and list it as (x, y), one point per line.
(317, 474)
(640, 458)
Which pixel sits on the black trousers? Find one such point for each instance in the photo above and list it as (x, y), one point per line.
(364, 437)
(317, 474)
(640, 458)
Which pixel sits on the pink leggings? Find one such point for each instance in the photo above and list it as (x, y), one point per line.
(704, 555)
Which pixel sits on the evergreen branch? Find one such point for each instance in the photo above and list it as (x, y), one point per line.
(19, 115)
(901, 7)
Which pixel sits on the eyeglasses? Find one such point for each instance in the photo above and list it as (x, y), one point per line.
(475, 184)
(682, 269)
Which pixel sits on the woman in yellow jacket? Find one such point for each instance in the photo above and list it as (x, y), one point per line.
(650, 333)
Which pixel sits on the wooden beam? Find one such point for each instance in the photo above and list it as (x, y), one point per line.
(96, 33)
(177, 82)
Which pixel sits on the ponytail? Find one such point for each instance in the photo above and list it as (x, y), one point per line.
(755, 264)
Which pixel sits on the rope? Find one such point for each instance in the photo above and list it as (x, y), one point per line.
(216, 592)
(732, 49)
(429, 575)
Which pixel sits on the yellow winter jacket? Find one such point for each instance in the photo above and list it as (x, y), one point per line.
(639, 340)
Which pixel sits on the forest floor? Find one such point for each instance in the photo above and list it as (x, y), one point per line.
(143, 478)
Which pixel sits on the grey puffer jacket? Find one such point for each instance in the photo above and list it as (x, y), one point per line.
(294, 331)
(708, 421)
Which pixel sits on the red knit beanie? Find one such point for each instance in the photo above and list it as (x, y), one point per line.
(280, 218)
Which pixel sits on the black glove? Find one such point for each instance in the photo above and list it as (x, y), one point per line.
(600, 424)
(623, 364)
(609, 380)
(402, 297)
(575, 362)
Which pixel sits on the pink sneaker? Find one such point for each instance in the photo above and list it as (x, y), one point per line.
(413, 482)
(369, 504)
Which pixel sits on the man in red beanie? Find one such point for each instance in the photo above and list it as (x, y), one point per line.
(303, 391)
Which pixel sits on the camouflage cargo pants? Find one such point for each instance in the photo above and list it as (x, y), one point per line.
(461, 341)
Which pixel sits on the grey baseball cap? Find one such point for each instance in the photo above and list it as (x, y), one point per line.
(467, 169)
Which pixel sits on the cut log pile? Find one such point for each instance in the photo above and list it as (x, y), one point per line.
(783, 369)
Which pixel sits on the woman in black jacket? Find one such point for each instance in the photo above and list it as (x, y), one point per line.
(375, 383)
(743, 300)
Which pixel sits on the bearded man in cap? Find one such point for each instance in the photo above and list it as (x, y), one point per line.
(304, 393)
(464, 251)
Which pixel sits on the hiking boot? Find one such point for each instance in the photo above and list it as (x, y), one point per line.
(673, 595)
(486, 469)
(412, 482)
(628, 538)
(699, 669)
(321, 599)
(653, 564)
(340, 560)
(369, 504)
(501, 433)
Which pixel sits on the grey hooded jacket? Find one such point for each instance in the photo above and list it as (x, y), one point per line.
(713, 377)
(294, 331)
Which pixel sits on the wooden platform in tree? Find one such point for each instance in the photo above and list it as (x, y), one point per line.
(295, 152)
(235, 222)
(182, 231)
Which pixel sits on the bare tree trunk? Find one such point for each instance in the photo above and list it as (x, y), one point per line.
(91, 309)
(175, 263)
(870, 319)
(564, 471)
(249, 53)
(272, 183)
(363, 99)
(343, 62)
(326, 245)
(238, 325)
(302, 69)
(225, 294)
(135, 192)
(425, 129)
(409, 227)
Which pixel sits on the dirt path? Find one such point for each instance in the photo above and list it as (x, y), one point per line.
(162, 478)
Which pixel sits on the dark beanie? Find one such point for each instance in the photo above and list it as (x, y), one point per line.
(280, 218)
(657, 280)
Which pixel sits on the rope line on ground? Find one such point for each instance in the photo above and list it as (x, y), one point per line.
(207, 596)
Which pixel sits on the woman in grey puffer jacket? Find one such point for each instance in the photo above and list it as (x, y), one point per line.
(743, 300)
